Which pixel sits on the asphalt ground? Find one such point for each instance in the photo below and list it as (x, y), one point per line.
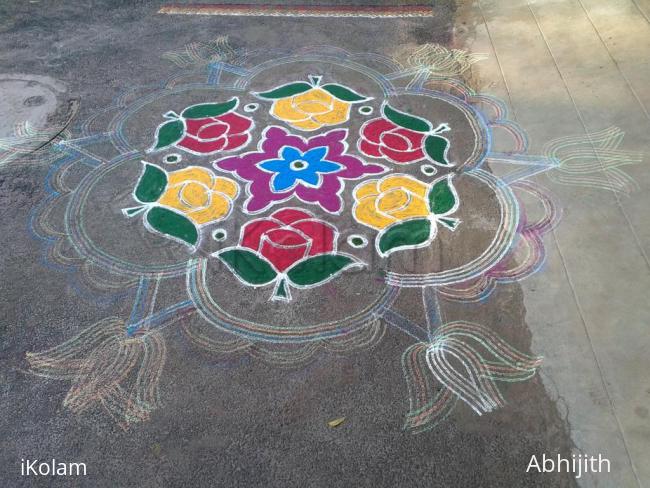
(226, 420)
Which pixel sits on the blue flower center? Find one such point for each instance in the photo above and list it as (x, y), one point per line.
(295, 167)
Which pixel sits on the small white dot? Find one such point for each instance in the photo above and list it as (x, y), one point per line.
(428, 169)
(358, 241)
(173, 158)
(219, 235)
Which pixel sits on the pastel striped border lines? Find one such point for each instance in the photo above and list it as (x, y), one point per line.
(341, 329)
(371, 12)
(490, 257)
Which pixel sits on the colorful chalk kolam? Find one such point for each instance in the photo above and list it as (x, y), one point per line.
(279, 195)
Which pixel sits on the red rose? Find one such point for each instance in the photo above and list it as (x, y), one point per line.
(291, 249)
(380, 138)
(287, 236)
(211, 134)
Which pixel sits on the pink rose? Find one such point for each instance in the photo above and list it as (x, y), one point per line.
(287, 236)
(381, 138)
(211, 134)
(205, 128)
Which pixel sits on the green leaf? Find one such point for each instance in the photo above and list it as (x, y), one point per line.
(172, 224)
(284, 91)
(131, 211)
(406, 120)
(168, 133)
(343, 93)
(405, 235)
(315, 80)
(319, 268)
(436, 148)
(151, 184)
(442, 196)
(248, 266)
(209, 109)
(282, 291)
(449, 222)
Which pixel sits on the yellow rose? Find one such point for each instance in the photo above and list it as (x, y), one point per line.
(380, 203)
(199, 195)
(311, 110)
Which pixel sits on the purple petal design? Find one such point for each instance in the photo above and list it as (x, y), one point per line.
(274, 140)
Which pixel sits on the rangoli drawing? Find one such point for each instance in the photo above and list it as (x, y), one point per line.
(245, 183)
